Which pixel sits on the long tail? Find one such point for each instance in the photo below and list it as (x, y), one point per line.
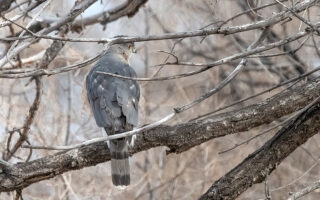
(120, 168)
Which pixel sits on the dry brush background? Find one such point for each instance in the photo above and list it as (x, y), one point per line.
(63, 116)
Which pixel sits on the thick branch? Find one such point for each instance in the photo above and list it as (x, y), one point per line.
(178, 138)
(129, 8)
(257, 166)
(202, 32)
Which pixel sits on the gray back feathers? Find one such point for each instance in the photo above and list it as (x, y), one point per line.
(114, 103)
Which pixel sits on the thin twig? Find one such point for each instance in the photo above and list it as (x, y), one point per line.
(168, 117)
(28, 121)
(211, 65)
(310, 188)
(260, 93)
(293, 117)
(202, 32)
(298, 16)
(15, 43)
(101, 139)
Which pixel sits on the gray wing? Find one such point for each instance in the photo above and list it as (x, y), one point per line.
(114, 101)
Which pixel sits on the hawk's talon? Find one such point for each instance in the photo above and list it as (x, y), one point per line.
(133, 138)
(108, 143)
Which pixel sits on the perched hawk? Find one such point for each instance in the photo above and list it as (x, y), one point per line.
(114, 102)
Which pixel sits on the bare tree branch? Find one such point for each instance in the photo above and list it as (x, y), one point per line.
(29, 119)
(305, 191)
(257, 166)
(22, 73)
(292, 38)
(178, 138)
(203, 32)
(75, 11)
(128, 8)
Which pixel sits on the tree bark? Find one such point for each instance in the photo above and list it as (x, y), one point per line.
(257, 166)
(180, 138)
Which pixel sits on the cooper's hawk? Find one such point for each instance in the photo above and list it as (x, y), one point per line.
(114, 102)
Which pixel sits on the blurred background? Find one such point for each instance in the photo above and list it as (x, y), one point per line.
(64, 116)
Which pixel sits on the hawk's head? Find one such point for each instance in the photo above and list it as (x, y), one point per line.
(123, 50)
(126, 49)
